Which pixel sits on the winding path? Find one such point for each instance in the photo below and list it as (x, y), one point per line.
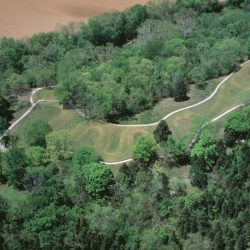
(33, 105)
(178, 110)
(203, 126)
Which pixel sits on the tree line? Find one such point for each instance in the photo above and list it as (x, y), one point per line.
(72, 201)
(122, 63)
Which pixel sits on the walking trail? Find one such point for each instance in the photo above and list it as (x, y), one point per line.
(34, 104)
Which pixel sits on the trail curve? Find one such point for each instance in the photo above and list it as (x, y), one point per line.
(182, 109)
(33, 105)
(203, 126)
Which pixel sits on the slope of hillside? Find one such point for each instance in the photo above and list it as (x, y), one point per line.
(114, 143)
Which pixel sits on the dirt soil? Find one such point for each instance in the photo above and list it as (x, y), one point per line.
(22, 18)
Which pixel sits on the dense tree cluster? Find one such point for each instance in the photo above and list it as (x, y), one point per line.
(74, 202)
(121, 63)
(61, 198)
(6, 114)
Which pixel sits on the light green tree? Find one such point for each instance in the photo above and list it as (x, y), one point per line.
(36, 156)
(98, 179)
(58, 145)
(144, 150)
(205, 147)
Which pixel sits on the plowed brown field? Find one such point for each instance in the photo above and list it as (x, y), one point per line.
(21, 18)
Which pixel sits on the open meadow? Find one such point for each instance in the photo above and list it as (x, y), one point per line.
(114, 143)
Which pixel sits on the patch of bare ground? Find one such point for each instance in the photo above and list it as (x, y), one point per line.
(22, 18)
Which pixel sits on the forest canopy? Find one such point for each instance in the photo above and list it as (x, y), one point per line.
(122, 63)
(53, 196)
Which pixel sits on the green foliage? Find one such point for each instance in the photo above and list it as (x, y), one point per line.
(36, 156)
(162, 132)
(235, 3)
(84, 206)
(144, 150)
(178, 149)
(98, 179)
(14, 166)
(237, 126)
(201, 6)
(193, 196)
(3, 214)
(3, 125)
(3, 210)
(6, 115)
(35, 131)
(116, 27)
(176, 76)
(153, 49)
(186, 42)
(246, 5)
(205, 147)
(197, 241)
(198, 172)
(58, 145)
(84, 155)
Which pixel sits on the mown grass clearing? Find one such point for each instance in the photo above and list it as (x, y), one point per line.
(168, 105)
(235, 91)
(111, 143)
(45, 94)
(114, 143)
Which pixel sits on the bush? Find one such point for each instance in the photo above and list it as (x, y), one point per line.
(34, 132)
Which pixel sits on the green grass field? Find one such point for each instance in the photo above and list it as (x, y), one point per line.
(46, 94)
(168, 105)
(112, 143)
(235, 91)
(115, 143)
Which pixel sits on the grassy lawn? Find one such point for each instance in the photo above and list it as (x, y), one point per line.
(232, 93)
(114, 143)
(46, 94)
(168, 105)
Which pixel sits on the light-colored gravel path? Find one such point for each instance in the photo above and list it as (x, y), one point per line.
(33, 105)
(203, 126)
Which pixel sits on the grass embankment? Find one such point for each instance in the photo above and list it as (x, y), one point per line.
(235, 91)
(114, 143)
(168, 105)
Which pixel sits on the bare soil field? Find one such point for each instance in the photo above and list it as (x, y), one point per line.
(22, 18)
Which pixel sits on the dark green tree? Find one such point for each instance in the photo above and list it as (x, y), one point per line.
(35, 131)
(83, 156)
(6, 114)
(162, 132)
(218, 241)
(14, 166)
(3, 215)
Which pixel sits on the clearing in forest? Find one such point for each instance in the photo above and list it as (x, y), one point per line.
(115, 143)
